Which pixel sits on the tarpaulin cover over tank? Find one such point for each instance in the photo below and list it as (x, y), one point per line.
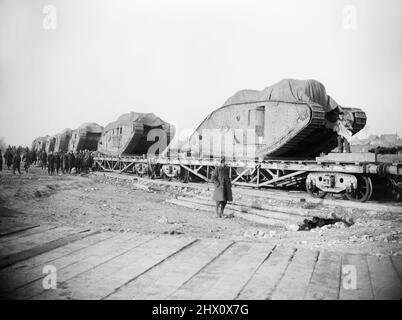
(91, 127)
(148, 119)
(287, 90)
(66, 131)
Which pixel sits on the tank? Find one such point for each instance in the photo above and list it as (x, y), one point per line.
(290, 119)
(135, 133)
(62, 140)
(49, 144)
(39, 144)
(86, 137)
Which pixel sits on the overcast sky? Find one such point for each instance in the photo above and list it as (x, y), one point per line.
(183, 59)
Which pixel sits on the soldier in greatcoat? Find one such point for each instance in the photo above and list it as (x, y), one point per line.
(223, 187)
(50, 163)
(17, 162)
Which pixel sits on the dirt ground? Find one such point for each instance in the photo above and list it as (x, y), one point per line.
(94, 202)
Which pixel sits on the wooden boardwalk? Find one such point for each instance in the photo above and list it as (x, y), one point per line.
(108, 265)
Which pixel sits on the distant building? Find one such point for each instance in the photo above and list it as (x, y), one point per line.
(389, 138)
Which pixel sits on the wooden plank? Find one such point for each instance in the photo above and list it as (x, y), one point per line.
(363, 289)
(164, 279)
(118, 271)
(397, 263)
(284, 216)
(70, 266)
(44, 247)
(246, 216)
(268, 275)
(261, 206)
(24, 243)
(384, 279)
(30, 270)
(13, 235)
(6, 232)
(294, 284)
(240, 272)
(54, 254)
(324, 284)
(201, 283)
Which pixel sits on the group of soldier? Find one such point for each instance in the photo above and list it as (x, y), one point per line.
(54, 162)
(13, 156)
(66, 162)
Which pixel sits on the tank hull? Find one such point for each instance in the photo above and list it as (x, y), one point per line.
(86, 137)
(62, 141)
(136, 134)
(39, 144)
(284, 120)
(49, 145)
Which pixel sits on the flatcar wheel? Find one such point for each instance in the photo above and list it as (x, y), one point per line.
(315, 192)
(363, 191)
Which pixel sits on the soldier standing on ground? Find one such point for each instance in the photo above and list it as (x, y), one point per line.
(78, 162)
(223, 187)
(34, 157)
(44, 160)
(50, 163)
(71, 161)
(17, 162)
(57, 162)
(27, 160)
(8, 156)
(65, 163)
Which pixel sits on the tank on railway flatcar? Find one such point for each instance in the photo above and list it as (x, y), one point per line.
(39, 144)
(86, 137)
(292, 118)
(62, 140)
(136, 133)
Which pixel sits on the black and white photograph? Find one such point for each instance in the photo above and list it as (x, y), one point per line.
(227, 151)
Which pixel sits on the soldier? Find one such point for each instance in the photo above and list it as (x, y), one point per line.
(50, 163)
(8, 157)
(78, 162)
(57, 162)
(43, 159)
(1, 161)
(90, 160)
(17, 162)
(223, 187)
(343, 128)
(27, 160)
(34, 157)
(65, 163)
(71, 161)
(85, 162)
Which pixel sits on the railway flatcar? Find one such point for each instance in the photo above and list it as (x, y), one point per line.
(86, 137)
(134, 133)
